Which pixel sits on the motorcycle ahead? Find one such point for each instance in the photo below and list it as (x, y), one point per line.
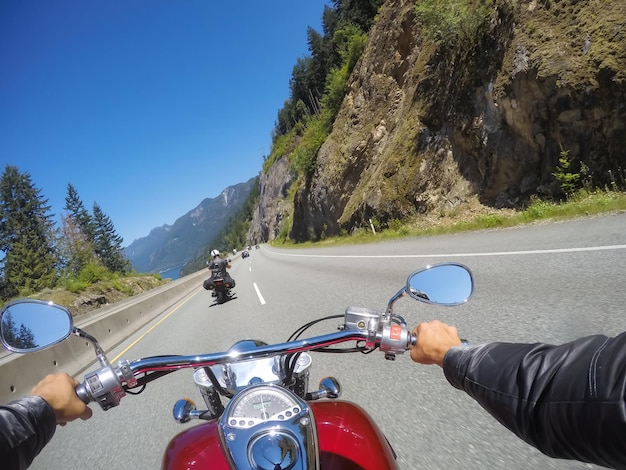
(220, 291)
(219, 287)
(271, 420)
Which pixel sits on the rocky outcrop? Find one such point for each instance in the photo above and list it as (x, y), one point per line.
(425, 128)
(273, 208)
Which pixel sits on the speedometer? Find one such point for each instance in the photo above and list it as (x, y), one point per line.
(260, 404)
(265, 424)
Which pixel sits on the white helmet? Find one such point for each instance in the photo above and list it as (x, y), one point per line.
(214, 253)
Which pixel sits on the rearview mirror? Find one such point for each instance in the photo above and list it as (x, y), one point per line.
(443, 284)
(33, 325)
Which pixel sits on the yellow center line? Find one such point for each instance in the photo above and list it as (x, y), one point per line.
(116, 358)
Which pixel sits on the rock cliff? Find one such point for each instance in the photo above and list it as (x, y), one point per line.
(427, 128)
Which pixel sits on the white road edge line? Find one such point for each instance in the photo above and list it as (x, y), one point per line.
(460, 255)
(258, 293)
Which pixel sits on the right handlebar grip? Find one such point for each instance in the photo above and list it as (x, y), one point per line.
(83, 394)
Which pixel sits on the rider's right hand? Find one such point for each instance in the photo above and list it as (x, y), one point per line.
(434, 338)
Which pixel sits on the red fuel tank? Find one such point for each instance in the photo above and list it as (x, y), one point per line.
(348, 440)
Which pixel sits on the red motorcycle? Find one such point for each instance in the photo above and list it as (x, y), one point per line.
(271, 421)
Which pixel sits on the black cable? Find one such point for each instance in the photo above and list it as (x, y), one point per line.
(143, 387)
(296, 334)
(291, 362)
(221, 390)
(150, 376)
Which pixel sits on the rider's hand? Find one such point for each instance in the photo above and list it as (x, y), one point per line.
(433, 341)
(59, 391)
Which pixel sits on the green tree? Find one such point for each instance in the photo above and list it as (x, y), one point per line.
(22, 337)
(78, 232)
(331, 53)
(349, 42)
(78, 214)
(567, 177)
(9, 329)
(26, 338)
(107, 243)
(360, 13)
(302, 85)
(27, 236)
(75, 250)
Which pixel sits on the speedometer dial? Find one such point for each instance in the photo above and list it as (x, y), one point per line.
(261, 404)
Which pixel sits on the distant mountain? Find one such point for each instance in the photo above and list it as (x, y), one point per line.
(171, 246)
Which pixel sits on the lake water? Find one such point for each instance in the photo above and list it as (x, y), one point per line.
(173, 273)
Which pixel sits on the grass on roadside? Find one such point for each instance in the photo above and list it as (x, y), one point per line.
(580, 204)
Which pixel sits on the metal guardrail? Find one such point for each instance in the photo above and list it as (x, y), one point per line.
(110, 324)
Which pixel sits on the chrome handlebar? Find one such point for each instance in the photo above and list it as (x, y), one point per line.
(386, 331)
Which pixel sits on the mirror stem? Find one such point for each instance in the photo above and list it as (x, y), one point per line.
(401, 293)
(99, 352)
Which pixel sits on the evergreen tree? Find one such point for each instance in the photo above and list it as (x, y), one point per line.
(9, 330)
(27, 236)
(333, 55)
(302, 85)
(107, 243)
(75, 250)
(78, 233)
(26, 338)
(21, 337)
(78, 214)
(360, 13)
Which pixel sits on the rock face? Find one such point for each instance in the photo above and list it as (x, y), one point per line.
(425, 128)
(273, 207)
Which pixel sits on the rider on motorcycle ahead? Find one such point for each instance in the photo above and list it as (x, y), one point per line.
(218, 271)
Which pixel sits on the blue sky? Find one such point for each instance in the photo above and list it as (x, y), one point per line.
(146, 106)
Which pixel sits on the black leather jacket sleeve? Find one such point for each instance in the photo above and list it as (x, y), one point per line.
(567, 400)
(26, 426)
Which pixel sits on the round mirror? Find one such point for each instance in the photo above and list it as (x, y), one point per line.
(32, 325)
(443, 284)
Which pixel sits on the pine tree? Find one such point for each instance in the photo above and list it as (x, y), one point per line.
(107, 243)
(27, 236)
(10, 332)
(75, 250)
(78, 214)
(78, 233)
(22, 337)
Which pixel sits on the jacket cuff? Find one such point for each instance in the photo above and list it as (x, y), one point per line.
(47, 413)
(42, 412)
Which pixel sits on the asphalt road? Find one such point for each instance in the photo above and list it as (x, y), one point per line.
(546, 282)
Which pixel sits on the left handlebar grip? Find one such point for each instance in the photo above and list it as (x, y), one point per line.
(83, 394)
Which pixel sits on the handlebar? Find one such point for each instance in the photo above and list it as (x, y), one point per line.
(109, 384)
(83, 394)
(171, 363)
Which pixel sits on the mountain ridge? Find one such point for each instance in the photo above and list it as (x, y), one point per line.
(171, 246)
